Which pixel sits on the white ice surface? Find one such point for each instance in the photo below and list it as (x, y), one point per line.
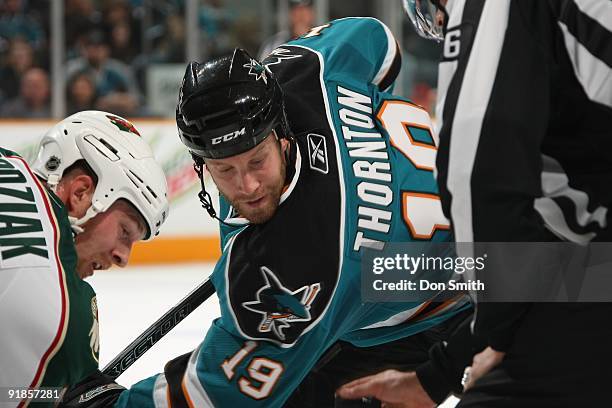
(131, 299)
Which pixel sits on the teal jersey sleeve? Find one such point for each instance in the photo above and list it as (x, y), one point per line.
(357, 50)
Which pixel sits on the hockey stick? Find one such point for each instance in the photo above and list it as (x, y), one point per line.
(159, 329)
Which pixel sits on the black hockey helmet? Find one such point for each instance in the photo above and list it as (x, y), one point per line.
(229, 105)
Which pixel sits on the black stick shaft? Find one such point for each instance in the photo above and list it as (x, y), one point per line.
(159, 329)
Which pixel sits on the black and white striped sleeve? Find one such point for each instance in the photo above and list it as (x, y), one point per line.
(587, 33)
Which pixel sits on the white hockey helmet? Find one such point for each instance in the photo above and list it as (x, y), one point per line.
(120, 158)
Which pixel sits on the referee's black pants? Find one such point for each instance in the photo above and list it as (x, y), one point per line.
(561, 356)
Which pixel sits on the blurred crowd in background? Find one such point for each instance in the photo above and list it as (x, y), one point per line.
(113, 49)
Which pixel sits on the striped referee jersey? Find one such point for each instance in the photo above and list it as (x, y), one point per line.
(525, 123)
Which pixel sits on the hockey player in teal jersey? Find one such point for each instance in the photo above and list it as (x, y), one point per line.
(74, 210)
(315, 161)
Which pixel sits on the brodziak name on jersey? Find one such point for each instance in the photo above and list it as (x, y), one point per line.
(57, 344)
(20, 235)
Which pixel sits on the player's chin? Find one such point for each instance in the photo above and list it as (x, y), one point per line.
(260, 215)
(85, 270)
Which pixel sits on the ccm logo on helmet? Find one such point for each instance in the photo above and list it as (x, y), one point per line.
(228, 137)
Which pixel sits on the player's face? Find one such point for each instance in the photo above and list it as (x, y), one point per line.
(253, 181)
(108, 238)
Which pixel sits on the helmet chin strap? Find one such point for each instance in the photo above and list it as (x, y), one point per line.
(204, 196)
(77, 223)
(52, 181)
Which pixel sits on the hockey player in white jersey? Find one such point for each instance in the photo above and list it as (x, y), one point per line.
(94, 189)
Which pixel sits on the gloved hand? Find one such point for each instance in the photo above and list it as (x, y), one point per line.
(95, 391)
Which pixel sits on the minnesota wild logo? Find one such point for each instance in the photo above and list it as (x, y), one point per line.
(123, 124)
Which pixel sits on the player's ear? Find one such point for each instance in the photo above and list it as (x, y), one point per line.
(80, 194)
(284, 144)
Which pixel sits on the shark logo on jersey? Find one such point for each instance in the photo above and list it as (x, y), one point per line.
(257, 70)
(280, 306)
(279, 55)
(317, 153)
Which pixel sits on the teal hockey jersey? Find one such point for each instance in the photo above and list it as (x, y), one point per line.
(360, 174)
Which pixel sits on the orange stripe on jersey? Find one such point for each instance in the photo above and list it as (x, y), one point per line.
(61, 330)
(313, 292)
(186, 393)
(423, 307)
(408, 103)
(440, 307)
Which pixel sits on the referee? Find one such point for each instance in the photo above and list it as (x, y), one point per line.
(525, 101)
(525, 116)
